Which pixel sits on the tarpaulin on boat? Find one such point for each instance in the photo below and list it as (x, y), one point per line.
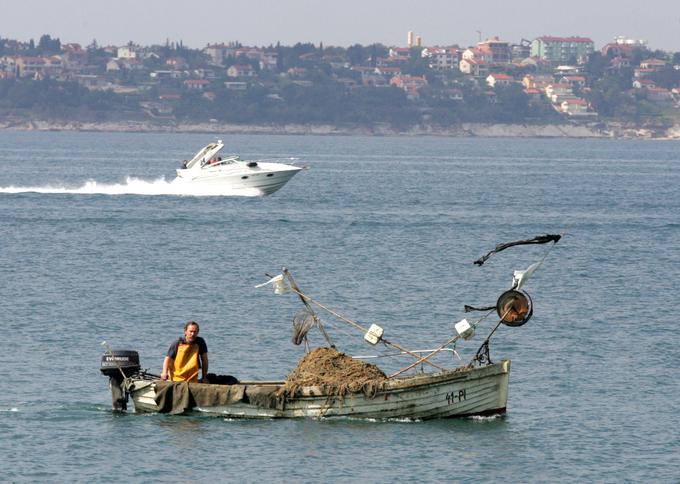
(179, 397)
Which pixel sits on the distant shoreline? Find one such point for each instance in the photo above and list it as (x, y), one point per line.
(464, 130)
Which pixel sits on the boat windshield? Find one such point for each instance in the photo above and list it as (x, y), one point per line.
(218, 160)
(205, 155)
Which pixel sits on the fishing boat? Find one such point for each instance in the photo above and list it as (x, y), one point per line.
(229, 172)
(477, 388)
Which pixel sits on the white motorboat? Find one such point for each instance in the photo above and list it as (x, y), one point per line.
(211, 169)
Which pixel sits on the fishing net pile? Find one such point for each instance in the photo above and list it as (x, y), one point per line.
(335, 373)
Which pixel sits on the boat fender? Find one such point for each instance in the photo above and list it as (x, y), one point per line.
(374, 334)
(464, 329)
(252, 164)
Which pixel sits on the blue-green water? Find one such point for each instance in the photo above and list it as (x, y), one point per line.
(92, 248)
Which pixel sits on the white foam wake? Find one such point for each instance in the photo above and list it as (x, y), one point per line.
(136, 186)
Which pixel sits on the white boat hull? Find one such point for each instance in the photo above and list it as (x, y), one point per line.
(477, 391)
(266, 178)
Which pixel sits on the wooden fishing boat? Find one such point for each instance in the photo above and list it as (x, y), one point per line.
(455, 393)
(477, 388)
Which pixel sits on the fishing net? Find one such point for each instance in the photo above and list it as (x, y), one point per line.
(335, 373)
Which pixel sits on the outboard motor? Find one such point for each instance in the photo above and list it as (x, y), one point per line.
(118, 365)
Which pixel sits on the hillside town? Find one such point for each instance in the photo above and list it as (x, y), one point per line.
(548, 79)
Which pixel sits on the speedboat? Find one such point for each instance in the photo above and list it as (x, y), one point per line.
(210, 169)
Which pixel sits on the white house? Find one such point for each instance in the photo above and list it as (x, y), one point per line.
(576, 107)
(474, 68)
(127, 52)
(477, 54)
(441, 59)
(241, 70)
(559, 92)
(498, 79)
(196, 84)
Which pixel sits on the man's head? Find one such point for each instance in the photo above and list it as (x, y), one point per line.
(190, 331)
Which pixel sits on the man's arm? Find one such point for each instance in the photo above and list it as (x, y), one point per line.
(204, 366)
(167, 364)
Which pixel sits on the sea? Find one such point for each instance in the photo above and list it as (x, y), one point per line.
(96, 245)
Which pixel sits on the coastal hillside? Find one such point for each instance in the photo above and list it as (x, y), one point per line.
(495, 88)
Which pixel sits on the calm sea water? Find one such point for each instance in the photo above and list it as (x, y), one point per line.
(94, 246)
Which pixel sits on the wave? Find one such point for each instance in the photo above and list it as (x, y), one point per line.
(136, 186)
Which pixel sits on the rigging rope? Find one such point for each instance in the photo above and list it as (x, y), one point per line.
(306, 298)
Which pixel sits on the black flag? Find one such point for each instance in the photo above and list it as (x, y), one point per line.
(541, 239)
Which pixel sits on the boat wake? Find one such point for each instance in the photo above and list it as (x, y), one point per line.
(487, 418)
(136, 186)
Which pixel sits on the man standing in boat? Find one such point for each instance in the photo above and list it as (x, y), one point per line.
(186, 356)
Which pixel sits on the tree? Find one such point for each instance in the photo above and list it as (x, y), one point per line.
(279, 58)
(667, 77)
(596, 66)
(355, 54)
(607, 96)
(376, 51)
(512, 103)
(49, 46)
(417, 65)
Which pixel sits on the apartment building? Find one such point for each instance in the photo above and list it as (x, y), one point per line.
(560, 50)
